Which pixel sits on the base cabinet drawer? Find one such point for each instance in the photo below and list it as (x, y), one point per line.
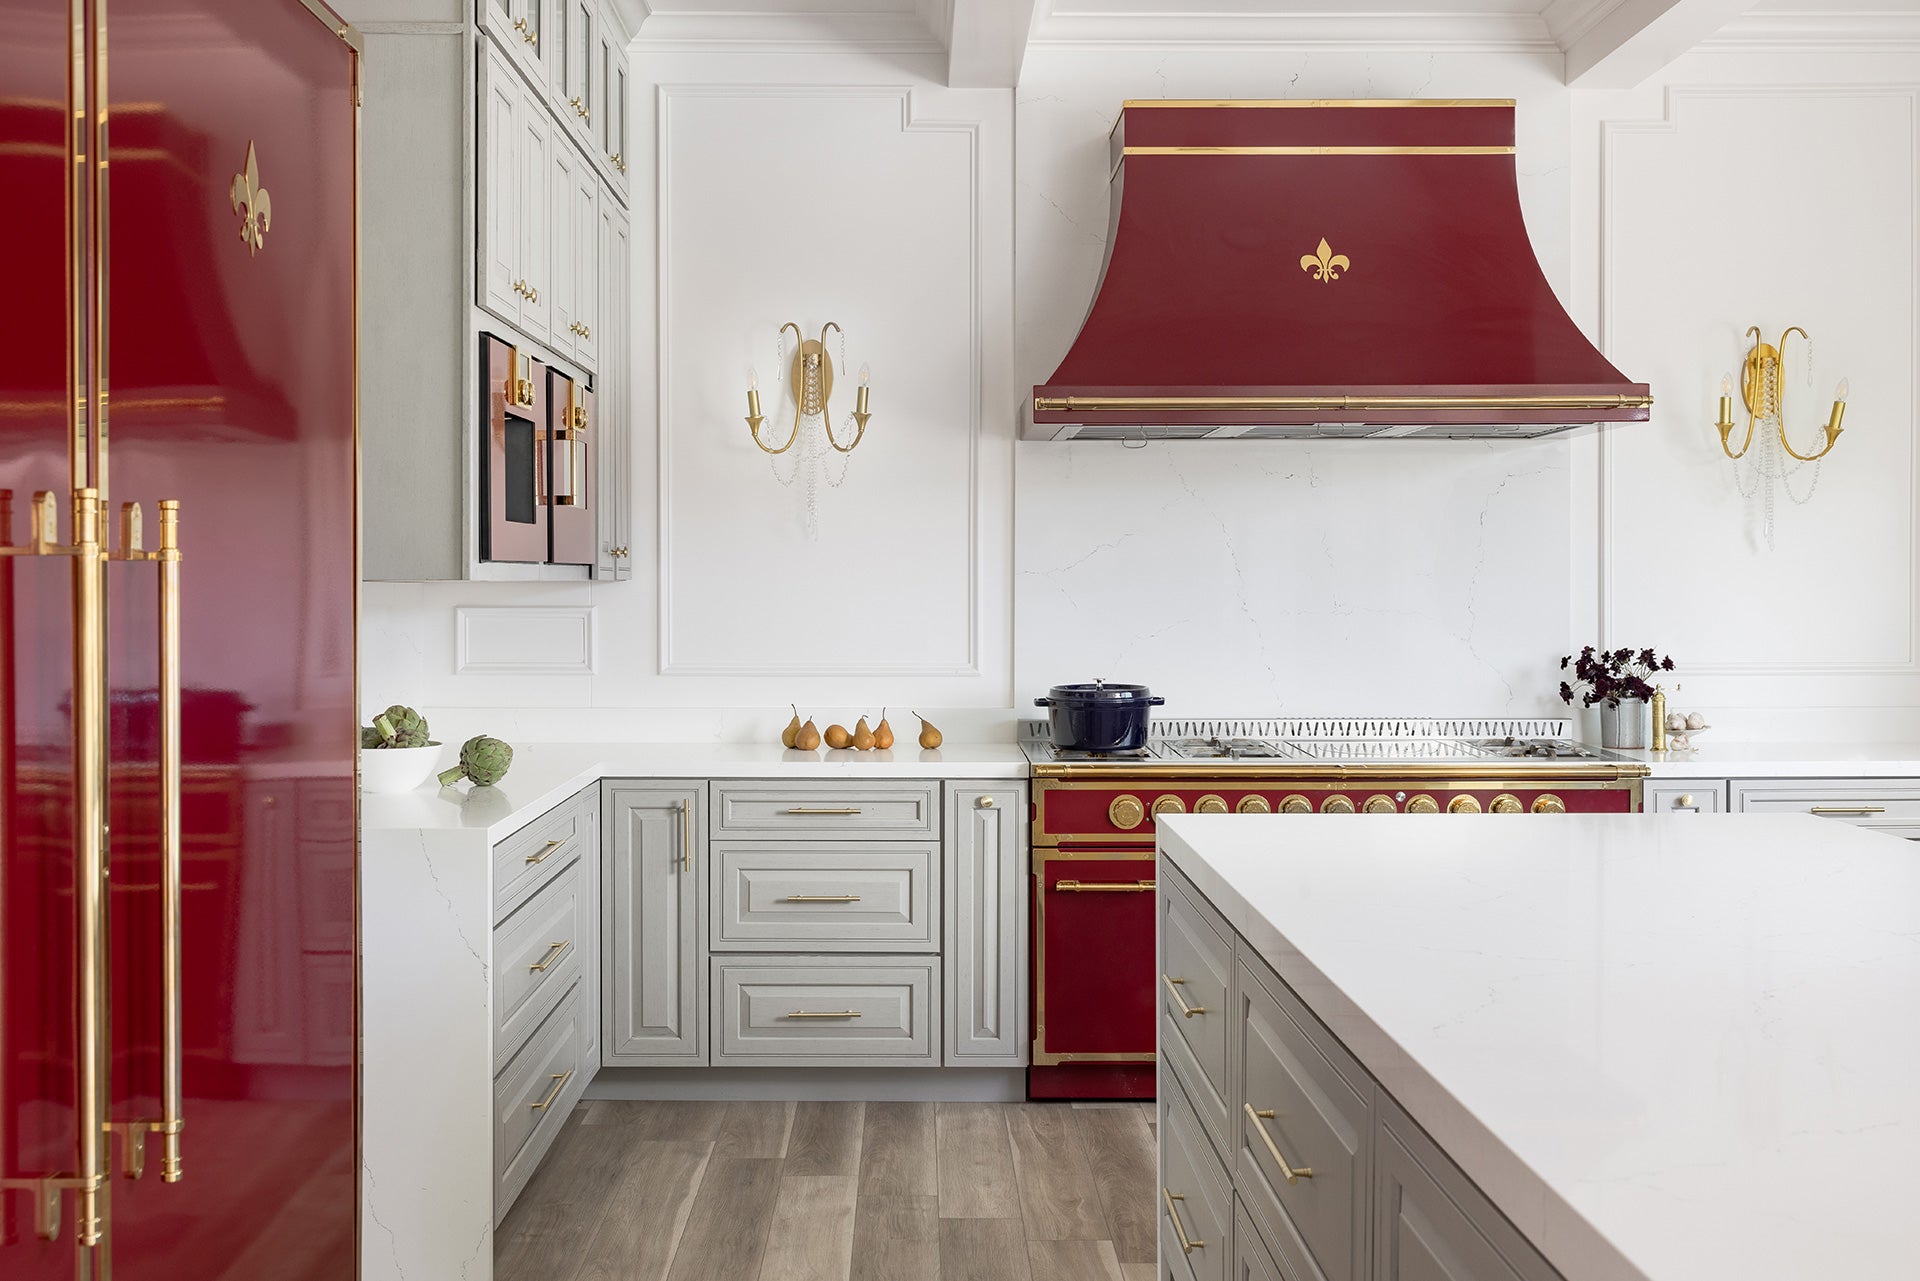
(1884, 805)
(537, 956)
(855, 897)
(825, 811)
(1301, 1132)
(1251, 1262)
(1683, 796)
(1431, 1223)
(852, 1011)
(532, 1097)
(1196, 1201)
(1196, 969)
(538, 851)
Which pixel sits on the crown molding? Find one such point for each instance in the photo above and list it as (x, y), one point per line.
(788, 33)
(1569, 20)
(630, 14)
(1503, 32)
(1862, 32)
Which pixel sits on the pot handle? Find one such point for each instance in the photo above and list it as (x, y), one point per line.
(1156, 701)
(1043, 702)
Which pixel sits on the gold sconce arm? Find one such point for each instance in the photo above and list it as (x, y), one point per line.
(755, 417)
(1763, 394)
(810, 378)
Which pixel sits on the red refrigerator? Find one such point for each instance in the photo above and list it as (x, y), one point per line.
(178, 569)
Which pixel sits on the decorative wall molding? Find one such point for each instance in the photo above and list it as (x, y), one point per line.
(766, 32)
(1611, 131)
(910, 122)
(1885, 32)
(503, 641)
(1568, 20)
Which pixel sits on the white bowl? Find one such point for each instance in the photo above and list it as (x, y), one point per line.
(397, 769)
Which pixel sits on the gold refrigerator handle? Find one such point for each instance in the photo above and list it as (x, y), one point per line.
(171, 1119)
(90, 827)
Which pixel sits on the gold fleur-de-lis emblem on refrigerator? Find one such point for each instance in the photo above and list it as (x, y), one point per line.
(1323, 264)
(252, 203)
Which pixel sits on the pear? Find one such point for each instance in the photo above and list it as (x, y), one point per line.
(808, 739)
(837, 736)
(883, 732)
(929, 736)
(862, 736)
(790, 736)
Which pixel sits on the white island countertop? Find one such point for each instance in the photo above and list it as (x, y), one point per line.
(1722, 759)
(545, 774)
(1669, 1049)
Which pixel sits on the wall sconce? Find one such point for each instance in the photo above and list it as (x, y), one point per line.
(1763, 392)
(811, 380)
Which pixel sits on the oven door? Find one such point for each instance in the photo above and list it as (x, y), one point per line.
(570, 467)
(1093, 956)
(513, 462)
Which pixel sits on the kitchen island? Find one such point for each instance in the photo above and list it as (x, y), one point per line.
(1662, 1049)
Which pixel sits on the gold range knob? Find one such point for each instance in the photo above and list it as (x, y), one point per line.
(1210, 804)
(1296, 804)
(1463, 805)
(1505, 804)
(1423, 805)
(1254, 805)
(1169, 805)
(1127, 812)
(1337, 805)
(1380, 805)
(1549, 804)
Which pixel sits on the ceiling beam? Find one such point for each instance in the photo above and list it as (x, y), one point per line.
(987, 42)
(1636, 38)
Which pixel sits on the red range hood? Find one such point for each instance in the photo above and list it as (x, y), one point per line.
(1308, 269)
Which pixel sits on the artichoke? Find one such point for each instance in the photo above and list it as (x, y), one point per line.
(482, 759)
(371, 737)
(401, 726)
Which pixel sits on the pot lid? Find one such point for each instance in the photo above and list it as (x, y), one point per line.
(1308, 268)
(1099, 691)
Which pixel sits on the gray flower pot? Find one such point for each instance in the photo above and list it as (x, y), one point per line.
(1624, 726)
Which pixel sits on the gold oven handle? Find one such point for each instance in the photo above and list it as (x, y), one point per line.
(172, 1119)
(1104, 887)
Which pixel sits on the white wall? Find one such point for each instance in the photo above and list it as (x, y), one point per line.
(958, 236)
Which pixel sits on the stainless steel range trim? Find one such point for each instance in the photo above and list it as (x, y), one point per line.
(1350, 727)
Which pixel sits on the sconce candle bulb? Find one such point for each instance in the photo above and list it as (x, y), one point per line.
(860, 411)
(1726, 411)
(754, 416)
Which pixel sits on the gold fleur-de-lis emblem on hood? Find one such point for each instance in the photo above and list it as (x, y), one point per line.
(252, 203)
(1323, 264)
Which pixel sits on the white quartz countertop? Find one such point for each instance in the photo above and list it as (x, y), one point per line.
(1785, 760)
(1670, 1049)
(545, 774)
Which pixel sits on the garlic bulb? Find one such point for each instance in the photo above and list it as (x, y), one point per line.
(1676, 720)
(1696, 721)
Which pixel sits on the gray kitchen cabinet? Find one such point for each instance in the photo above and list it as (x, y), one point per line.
(524, 30)
(1890, 805)
(1196, 1200)
(1251, 1262)
(810, 1011)
(1430, 1223)
(985, 919)
(615, 401)
(653, 939)
(867, 896)
(1684, 796)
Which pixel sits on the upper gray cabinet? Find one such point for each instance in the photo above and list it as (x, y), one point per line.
(525, 29)
(610, 111)
(654, 981)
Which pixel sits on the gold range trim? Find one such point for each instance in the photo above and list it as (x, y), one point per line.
(1130, 404)
(1408, 150)
(1041, 1056)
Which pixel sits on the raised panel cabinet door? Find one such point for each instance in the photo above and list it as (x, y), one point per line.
(984, 883)
(536, 236)
(617, 81)
(615, 492)
(653, 976)
(498, 184)
(583, 197)
(563, 311)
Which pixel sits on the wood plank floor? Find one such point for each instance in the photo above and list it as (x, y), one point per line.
(771, 1191)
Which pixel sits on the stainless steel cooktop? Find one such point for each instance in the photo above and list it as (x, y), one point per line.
(1378, 743)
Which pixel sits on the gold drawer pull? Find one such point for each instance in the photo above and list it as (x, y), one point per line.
(1103, 887)
(1173, 990)
(824, 809)
(1259, 1120)
(1179, 1228)
(824, 1014)
(546, 851)
(553, 954)
(1848, 809)
(560, 1080)
(821, 898)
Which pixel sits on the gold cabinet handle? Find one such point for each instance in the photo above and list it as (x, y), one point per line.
(1856, 810)
(823, 809)
(821, 898)
(1104, 887)
(1685, 802)
(553, 954)
(547, 851)
(985, 802)
(686, 836)
(1173, 990)
(560, 1080)
(1260, 1120)
(533, 295)
(1187, 1245)
(824, 1014)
